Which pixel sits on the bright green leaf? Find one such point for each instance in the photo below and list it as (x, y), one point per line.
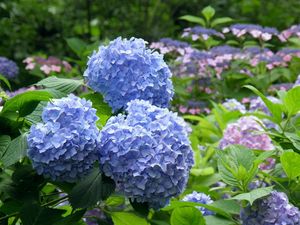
(290, 162)
(5, 81)
(208, 12)
(254, 194)
(221, 20)
(291, 101)
(127, 218)
(193, 19)
(215, 220)
(187, 216)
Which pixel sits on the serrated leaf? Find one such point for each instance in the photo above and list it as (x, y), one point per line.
(15, 151)
(290, 162)
(4, 142)
(221, 20)
(187, 216)
(33, 214)
(254, 194)
(25, 103)
(127, 218)
(93, 188)
(193, 19)
(208, 12)
(77, 45)
(291, 101)
(63, 85)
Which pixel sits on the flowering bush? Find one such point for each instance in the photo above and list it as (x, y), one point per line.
(147, 153)
(64, 146)
(126, 70)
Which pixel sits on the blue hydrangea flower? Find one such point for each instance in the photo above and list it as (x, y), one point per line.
(126, 70)
(234, 105)
(147, 153)
(274, 209)
(200, 198)
(64, 146)
(8, 68)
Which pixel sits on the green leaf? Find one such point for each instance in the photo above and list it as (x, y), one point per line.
(215, 220)
(193, 19)
(127, 218)
(208, 12)
(25, 103)
(290, 162)
(221, 20)
(15, 151)
(275, 109)
(63, 85)
(291, 101)
(5, 81)
(187, 216)
(254, 194)
(33, 214)
(77, 45)
(229, 206)
(93, 188)
(36, 116)
(4, 142)
(103, 109)
(294, 138)
(115, 200)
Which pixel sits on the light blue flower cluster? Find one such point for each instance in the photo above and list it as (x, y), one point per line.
(257, 104)
(64, 146)
(274, 209)
(200, 198)
(147, 153)
(126, 70)
(234, 105)
(8, 68)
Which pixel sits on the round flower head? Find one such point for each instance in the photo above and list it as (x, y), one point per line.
(126, 70)
(247, 132)
(63, 147)
(147, 153)
(8, 68)
(200, 198)
(274, 209)
(234, 105)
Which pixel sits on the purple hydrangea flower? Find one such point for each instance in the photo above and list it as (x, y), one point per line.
(280, 87)
(274, 209)
(168, 45)
(247, 132)
(257, 104)
(126, 70)
(234, 105)
(64, 146)
(147, 153)
(8, 68)
(200, 198)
